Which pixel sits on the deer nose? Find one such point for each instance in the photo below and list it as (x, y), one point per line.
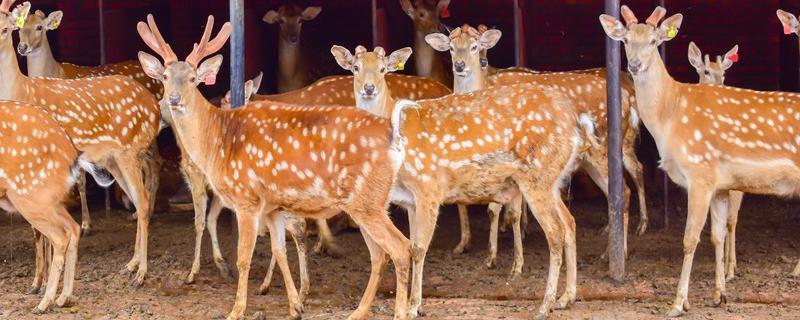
(293, 38)
(369, 89)
(459, 66)
(174, 99)
(22, 48)
(635, 65)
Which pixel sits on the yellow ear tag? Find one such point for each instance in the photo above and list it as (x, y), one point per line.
(56, 24)
(20, 22)
(400, 66)
(672, 32)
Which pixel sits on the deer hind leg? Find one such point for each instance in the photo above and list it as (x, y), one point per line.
(71, 262)
(494, 218)
(86, 219)
(699, 199)
(327, 243)
(735, 201)
(463, 219)
(276, 222)
(264, 288)
(129, 167)
(570, 253)
(43, 252)
(636, 171)
(597, 168)
(197, 185)
(514, 212)
(213, 216)
(378, 266)
(719, 218)
(245, 218)
(422, 222)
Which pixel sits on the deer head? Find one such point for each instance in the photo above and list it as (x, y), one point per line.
(181, 78)
(11, 20)
(712, 72)
(467, 48)
(369, 69)
(426, 14)
(290, 19)
(33, 34)
(641, 40)
(789, 22)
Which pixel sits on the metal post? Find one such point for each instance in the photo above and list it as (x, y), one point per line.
(103, 60)
(237, 80)
(519, 36)
(374, 23)
(616, 256)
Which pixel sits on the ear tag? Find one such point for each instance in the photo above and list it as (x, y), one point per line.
(734, 57)
(672, 32)
(20, 22)
(56, 24)
(445, 13)
(400, 66)
(210, 79)
(787, 29)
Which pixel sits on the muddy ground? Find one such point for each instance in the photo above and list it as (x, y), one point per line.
(455, 287)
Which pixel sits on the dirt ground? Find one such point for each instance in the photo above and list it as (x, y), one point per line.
(455, 286)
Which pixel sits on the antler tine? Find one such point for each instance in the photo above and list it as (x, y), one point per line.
(152, 37)
(206, 47)
(5, 6)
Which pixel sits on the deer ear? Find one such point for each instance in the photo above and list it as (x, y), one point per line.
(310, 13)
(20, 14)
(789, 22)
(489, 38)
(343, 57)
(730, 57)
(257, 82)
(408, 8)
(398, 59)
(207, 71)
(271, 17)
(151, 66)
(669, 28)
(53, 20)
(613, 27)
(439, 41)
(40, 14)
(695, 56)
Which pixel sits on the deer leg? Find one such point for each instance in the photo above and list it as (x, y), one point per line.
(277, 234)
(422, 223)
(71, 262)
(735, 201)
(213, 216)
(514, 212)
(297, 228)
(699, 199)
(120, 180)
(570, 254)
(130, 168)
(378, 266)
(39, 265)
(524, 219)
(86, 219)
(264, 288)
(244, 254)
(719, 213)
(197, 185)
(597, 169)
(463, 219)
(326, 242)
(636, 170)
(494, 218)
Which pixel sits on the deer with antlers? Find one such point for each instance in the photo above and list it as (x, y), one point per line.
(711, 138)
(477, 148)
(426, 16)
(267, 157)
(35, 47)
(294, 66)
(111, 120)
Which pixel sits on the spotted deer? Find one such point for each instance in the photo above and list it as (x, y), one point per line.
(426, 16)
(790, 25)
(112, 120)
(711, 138)
(477, 148)
(35, 47)
(269, 156)
(38, 170)
(714, 73)
(294, 67)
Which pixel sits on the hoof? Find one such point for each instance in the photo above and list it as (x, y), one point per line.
(489, 262)
(414, 313)
(604, 231)
(38, 311)
(540, 316)
(65, 301)
(564, 302)
(719, 299)
(296, 313)
(33, 290)
(263, 290)
(641, 229)
(189, 279)
(138, 281)
(675, 312)
(85, 231)
(459, 249)
(226, 274)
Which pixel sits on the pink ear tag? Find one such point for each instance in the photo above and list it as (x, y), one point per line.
(734, 57)
(210, 79)
(787, 29)
(445, 13)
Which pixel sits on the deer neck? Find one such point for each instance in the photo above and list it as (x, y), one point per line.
(200, 128)
(657, 96)
(381, 105)
(41, 62)
(11, 79)
(289, 59)
(424, 55)
(476, 80)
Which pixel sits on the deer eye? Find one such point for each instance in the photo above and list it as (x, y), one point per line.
(5, 30)
(473, 48)
(39, 28)
(192, 79)
(652, 41)
(164, 77)
(383, 69)
(706, 72)
(355, 68)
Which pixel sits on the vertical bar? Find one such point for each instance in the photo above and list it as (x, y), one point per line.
(519, 36)
(616, 255)
(374, 23)
(102, 32)
(237, 82)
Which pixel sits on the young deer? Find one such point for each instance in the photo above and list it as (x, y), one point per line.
(267, 157)
(479, 148)
(714, 73)
(35, 47)
(426, 15)
(36, 174)
(294, 68)
(112, 121)
(711, 138)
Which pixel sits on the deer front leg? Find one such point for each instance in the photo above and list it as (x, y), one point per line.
(244, 255)
(213, 217)
(735, 201)
(699, 198)
(422, 223)
(130, 168)
(378, 265)
(494, 218)
(463, 219)
(40, 266)
(197, 185)
(277, 234)
(297, 228)
(719, 213)
(86, 219)
(514, 212)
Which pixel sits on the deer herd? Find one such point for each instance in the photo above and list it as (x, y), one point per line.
(506, 138)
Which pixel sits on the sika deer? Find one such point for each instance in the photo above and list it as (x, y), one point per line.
(711, 138)
(267, 157)
(478, 148)
(111, 120)
(426, 15)
(294, 68)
